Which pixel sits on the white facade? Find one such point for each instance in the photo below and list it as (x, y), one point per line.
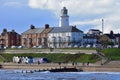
(94, 32)
(67, 39)
(64, 18)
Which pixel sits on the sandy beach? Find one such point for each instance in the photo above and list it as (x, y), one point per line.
(49, 66)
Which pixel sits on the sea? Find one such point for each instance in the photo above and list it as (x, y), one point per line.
(46, 75)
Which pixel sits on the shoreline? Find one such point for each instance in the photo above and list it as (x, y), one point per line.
(50, 66)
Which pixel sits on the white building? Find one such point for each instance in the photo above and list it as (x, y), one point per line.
(65, 35)
(61, 37)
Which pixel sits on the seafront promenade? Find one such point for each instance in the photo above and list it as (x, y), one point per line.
(65, 51)
(49, 66)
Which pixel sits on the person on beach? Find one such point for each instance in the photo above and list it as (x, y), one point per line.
(59, 63)
(38, 62)
(73, 63)
(83, 64)
(87, 63)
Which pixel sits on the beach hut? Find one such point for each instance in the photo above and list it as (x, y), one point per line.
(44, 60)
(25, 59)
(16, 59)
(40, 60)
(30, 60)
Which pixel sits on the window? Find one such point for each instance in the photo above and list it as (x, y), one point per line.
(68, 38)
(39, 41)
(30, 40)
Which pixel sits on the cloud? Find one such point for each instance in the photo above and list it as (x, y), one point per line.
(92, 11)
(44, 4)
(95, 22)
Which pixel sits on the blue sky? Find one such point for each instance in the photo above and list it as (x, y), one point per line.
(85, 14)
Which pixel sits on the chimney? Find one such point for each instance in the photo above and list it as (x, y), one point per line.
(5, 30)
(32, 26)
(46, 26)
(111, 32)
(13, 31)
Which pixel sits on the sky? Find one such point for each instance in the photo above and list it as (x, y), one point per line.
(85, 14)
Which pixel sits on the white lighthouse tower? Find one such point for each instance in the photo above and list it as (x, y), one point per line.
(64, 18)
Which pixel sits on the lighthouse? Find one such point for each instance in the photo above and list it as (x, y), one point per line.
(64, 18)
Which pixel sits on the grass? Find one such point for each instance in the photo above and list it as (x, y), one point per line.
(112, 53)
(1, 60)
(58, 57)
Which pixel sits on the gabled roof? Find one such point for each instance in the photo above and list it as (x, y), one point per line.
(9, 32)
(32, 31)
(65, 29)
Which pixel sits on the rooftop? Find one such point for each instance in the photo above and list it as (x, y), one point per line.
(65, 29)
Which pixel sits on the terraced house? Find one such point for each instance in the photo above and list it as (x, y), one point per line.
(35, 37)
(111, 38)
(10, 38)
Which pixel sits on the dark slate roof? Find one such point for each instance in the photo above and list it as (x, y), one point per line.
(110, 36)
(65, 29)
(94, 30)
(117, 35)
(32, 31)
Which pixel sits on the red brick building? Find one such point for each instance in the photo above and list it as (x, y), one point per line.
(10, 38)
(35, 37)
(44, 35)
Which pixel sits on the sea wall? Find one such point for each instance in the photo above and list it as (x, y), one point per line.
(101, 69)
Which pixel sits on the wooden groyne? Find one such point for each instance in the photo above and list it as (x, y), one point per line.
(66, 70)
